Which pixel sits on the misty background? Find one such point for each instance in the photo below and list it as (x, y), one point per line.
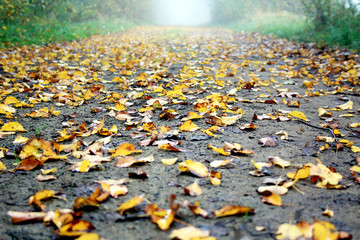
(181, 12)
(331, 22)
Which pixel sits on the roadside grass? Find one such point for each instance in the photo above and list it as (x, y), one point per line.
(41, 32)
(344, 33)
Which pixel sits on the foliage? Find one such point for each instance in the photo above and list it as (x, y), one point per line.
(42, 21)
(333, 22)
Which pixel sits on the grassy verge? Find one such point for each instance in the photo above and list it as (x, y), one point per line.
(41, 32)
(288, 25)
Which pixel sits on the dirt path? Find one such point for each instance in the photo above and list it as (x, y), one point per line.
(145, 82)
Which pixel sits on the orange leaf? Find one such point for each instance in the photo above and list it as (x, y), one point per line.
(18, 217)
(125, 149)
(41, 195)
(230, 210)
(28, 164)
(273, 199)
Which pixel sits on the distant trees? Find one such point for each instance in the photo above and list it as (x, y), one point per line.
(335, 22)
(71, 10)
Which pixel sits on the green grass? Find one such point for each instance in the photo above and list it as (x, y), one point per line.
(41, 32)
(343, 33)
(280, 24)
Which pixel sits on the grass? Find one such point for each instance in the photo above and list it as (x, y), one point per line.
(342, 33)
(42, 32)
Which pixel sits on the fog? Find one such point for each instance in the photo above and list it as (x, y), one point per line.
(181, 12)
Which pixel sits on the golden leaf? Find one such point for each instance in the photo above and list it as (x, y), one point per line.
(299, 115)
(273, 199)
(189, 233)
(125, 149)
(230, 210)
(196, 168)
(189, 126)
(288, 232)
(193, 189)
(130, 204)
(12, 127)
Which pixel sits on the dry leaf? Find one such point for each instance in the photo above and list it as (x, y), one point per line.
(193, 189)
(230, 210)
(273, 199)
(196, 168)
(125, 149)
(130, 204)
(299, 115)
(189, 233)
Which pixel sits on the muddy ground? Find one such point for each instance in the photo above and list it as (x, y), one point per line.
(254, 64)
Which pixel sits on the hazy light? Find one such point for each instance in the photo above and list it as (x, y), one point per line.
(181, 12)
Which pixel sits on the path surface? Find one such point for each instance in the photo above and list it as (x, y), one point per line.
(179, 94)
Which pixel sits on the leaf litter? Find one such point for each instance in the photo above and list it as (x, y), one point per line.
(180, 108)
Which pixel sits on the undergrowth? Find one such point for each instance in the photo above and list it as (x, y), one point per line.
(42, 32)
(343, 32)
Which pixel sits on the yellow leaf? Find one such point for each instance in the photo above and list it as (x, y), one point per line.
(125, 149)
(301, 173)
(219, 150)
(273, 199)
(196, 168)
(355, 149)
(12, 127)
(2, 166)
(346, 106)
(20, 139)
(84, 166)
(130, 204)
(288, 232)
(169, 161)
(298, 114)
(189, 233)
(230, 210)
(355, 169)
(89, 236)
(41, 195)
(189, 126)
(48, 171)
(193, 189)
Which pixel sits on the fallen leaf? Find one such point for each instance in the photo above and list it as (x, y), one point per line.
(196, 168)
(39, 196)
(189, 233)
(129, 161)
(42, 178)
(298, 114)
(193, 189)
(230, 210)
(328, 212)
(279, 190)
(12, 127)
(125, 149)
(19, 217)
(273, 199)
(288, 231)
(131, 203)
(189, 126)
(269, 141)
(169, 161)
